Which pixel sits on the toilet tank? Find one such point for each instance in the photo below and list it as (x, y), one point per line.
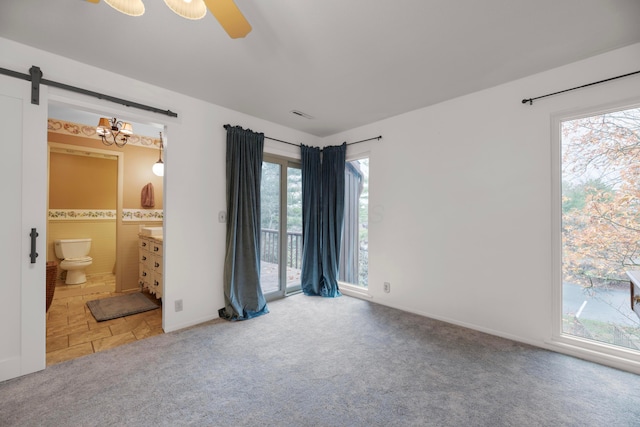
(72, 248)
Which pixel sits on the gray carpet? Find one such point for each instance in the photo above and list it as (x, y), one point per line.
(324, 362)
(120, 306)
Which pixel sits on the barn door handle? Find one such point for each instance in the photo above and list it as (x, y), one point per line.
(33, 254)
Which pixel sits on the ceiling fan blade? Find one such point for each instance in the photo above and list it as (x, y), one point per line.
(230, 17)
(93, 1)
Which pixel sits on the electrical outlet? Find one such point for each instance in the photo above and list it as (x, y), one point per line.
(387, 287)
(178, 304)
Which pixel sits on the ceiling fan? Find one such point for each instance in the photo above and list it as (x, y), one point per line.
(225, 11)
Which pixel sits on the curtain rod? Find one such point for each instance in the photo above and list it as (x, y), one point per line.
(35, 77)
(530, 100)
(379, 137)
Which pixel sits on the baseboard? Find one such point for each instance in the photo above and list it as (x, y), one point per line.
(355, 293)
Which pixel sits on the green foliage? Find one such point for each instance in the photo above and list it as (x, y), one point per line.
(270, 196)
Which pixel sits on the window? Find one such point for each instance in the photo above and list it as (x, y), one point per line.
(600, 226)
(281, 264)
(354, 256)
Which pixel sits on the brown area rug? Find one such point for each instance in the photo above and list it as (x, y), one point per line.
(120, 306)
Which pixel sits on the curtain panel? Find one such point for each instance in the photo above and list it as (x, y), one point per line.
(323, 191)
(311, 274)
(242, 290)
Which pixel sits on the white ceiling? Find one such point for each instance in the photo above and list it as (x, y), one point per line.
(347, 63)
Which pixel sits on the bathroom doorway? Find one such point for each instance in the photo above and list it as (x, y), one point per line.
(71, 329)
(82, 204)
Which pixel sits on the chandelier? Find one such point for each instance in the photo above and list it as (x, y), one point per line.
(114, 131)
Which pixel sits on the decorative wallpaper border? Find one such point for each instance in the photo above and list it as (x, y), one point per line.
(76, 129)
(81, 214)
(142, 214)
(105, 214)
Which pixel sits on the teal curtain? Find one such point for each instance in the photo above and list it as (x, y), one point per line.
(242, 290)
(311, 273)
(323, 213)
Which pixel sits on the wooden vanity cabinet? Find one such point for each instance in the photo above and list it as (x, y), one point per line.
(150, 261)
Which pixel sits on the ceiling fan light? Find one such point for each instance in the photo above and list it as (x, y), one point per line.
(193, 9)
(128, 7)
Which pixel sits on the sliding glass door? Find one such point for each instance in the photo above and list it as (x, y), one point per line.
(281, 229)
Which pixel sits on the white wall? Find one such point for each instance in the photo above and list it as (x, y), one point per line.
(460, 199)
(195, 170)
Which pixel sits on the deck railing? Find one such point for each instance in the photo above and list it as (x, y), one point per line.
(269, 247)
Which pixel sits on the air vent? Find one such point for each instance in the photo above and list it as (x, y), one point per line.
(301, 114)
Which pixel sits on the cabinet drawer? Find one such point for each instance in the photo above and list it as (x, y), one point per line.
(144, 244)
(156, 264)
(144, 273)
(156, 248)
(157, 281)
(157, 285)
(143, 256)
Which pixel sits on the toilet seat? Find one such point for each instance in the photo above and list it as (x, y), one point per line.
(79, 259)
(76, 263)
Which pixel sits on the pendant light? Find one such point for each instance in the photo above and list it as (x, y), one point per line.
(158, 167)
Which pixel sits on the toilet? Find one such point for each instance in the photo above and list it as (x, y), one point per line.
(74, 255)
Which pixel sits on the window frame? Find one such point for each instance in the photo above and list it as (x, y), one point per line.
(599, 352)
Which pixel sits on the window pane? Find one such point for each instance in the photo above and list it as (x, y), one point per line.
(354, 256)
(270, 226)
(294, 228)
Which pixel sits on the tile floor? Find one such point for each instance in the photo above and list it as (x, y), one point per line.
(72, 330)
